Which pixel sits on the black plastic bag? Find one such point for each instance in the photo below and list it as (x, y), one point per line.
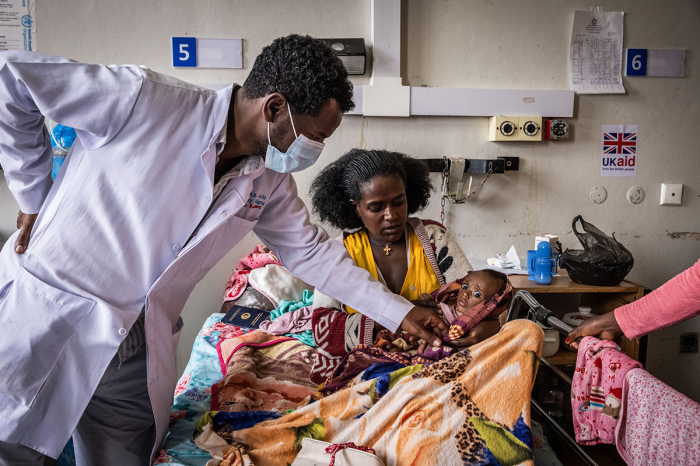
(603, 261)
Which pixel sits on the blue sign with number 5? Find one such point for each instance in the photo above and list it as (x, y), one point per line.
(184, 52)
(636, 62)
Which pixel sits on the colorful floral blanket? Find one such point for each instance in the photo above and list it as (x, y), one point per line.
(471, 408)
(193, 394)
(263, 373)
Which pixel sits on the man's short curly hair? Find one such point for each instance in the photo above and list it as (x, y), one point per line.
(343, 179)
(307, 72)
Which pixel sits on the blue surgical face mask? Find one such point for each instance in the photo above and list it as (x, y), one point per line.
(301, 154)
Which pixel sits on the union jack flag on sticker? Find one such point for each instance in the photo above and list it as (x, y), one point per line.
(620, 143)
(619, 150)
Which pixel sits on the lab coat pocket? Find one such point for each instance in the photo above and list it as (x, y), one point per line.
(228, 234)
(37, 321)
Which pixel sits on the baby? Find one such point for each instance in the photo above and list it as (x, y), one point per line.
(463, 300)
(464, 303)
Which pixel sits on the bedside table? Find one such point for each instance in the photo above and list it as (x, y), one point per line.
(564, 295)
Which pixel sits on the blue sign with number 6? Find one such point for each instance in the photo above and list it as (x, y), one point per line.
(184, 52)
(636, 62)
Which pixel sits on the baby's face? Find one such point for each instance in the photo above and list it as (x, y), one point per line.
(477, 288)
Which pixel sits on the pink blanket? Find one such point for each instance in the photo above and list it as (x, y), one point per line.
(596, 390)
(658, 425)
(292, 322)
(260, 257)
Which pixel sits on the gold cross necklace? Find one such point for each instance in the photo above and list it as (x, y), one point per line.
(387, 248)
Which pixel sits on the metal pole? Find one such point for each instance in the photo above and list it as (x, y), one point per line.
(556, 370)
(560, 430)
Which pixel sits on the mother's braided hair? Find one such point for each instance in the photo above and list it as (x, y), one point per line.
(343, 179)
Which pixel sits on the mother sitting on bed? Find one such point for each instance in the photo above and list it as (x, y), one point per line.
(369, 194)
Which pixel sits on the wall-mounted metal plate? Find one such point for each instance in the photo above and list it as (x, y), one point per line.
(479, 166)
(352, 52)
(512, 163)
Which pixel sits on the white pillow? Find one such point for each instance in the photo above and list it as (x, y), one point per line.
(277, 283)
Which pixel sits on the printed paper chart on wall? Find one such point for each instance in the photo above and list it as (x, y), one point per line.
(619, 150)
(595, 65)
(17, 25)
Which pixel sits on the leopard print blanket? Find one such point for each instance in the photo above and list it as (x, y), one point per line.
(472, 408)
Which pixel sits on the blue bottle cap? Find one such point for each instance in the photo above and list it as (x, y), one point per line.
(544, 249)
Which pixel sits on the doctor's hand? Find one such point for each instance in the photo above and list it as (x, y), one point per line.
(604, 327)
(425, 324)
(427, 302)
(25, 223)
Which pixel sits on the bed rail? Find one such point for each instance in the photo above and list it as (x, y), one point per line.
(538, 313)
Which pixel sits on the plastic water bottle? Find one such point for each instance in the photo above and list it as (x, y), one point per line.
(545, 265)
(62, 138)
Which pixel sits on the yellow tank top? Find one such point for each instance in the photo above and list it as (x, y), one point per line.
(420, 277)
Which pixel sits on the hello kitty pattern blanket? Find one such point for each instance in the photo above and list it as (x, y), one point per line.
(596, 390)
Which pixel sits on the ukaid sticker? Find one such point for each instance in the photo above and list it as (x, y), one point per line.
(619, 150)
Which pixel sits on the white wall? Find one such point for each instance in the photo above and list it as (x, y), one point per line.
(496, 43)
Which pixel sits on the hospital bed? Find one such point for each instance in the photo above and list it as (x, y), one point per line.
(193, 394)
(572, 453)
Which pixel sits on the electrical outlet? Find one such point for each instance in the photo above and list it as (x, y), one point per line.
(671, 194)
(598, 194)
(556, 129)
(503, 128)
(689, 342)
(635, 195)
(530, 128)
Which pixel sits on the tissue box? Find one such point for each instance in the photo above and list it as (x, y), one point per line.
(552, 239)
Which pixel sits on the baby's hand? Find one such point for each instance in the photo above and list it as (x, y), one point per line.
(426, 297)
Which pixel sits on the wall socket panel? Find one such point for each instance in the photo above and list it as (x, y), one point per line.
(671, 194)
(689, 342)
(503, 128)
(530, 128)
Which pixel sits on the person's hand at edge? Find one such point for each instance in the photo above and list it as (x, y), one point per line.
(421, 302)
(425, 324)
(25, 223)
(604, 327)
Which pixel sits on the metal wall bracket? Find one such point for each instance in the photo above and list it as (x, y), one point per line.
(512, 163)
(479, 166)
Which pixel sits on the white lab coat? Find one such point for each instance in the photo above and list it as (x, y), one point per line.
(110, 231)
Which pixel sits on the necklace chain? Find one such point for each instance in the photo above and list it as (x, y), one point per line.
(378, 245)
(386, 248)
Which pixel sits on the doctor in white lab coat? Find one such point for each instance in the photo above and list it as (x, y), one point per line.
(163, 180)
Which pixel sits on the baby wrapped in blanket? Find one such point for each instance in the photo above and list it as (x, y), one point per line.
(351, 343)
(480, 295)
(483, 294)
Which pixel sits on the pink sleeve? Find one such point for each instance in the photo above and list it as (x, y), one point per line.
(674, 301)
